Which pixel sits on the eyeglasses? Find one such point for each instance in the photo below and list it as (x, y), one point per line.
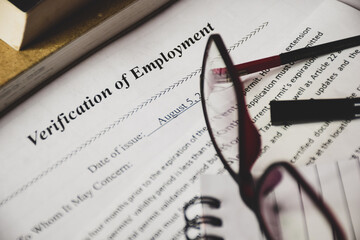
(237, 143)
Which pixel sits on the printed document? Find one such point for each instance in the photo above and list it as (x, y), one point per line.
(114, 147)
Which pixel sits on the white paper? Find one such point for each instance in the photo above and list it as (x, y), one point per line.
(145, 169)
(238, 221)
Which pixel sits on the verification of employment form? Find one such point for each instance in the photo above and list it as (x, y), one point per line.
(115, 146)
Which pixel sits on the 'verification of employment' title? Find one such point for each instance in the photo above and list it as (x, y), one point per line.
(60, 122)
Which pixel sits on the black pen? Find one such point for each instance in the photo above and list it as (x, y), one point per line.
(302, 111)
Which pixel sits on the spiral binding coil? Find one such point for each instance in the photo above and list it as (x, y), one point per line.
(195, 222)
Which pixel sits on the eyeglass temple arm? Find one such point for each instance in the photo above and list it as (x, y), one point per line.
(292, 56)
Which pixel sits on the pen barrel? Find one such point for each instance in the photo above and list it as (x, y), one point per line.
(319, 50)
(302, 111)
(258, 65)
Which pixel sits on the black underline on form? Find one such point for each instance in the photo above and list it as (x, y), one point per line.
(303, 211)
(173, 118)
(346, 201)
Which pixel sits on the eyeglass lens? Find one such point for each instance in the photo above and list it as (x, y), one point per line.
(288, 212)
(221, 107)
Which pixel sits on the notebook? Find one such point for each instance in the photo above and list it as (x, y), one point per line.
(337, 182)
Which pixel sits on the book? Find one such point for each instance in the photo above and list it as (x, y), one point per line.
(114, 147)
(335, 182)
(23, 21)
(75, 37)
